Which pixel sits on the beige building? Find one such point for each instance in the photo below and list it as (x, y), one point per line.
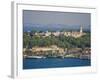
(53, 49)
(75, 34)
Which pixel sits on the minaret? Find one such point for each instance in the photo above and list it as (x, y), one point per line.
(81, 29)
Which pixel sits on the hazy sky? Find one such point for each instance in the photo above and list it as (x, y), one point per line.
(49, 17)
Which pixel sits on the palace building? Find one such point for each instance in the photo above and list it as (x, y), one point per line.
(74, 34)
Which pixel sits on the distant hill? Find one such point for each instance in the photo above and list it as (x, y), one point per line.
(54, 27)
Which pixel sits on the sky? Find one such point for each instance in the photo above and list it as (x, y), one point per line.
(50, 17)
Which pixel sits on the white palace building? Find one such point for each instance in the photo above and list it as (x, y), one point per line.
(74, 34)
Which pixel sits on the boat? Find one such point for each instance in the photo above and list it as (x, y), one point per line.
(35, 57)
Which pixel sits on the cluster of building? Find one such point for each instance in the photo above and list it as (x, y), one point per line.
(74, 34)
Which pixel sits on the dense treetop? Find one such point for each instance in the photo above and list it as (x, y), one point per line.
(62, 41)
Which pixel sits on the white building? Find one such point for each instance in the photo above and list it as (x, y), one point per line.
(75, 34)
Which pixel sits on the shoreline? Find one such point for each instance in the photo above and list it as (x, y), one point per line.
(55, 58)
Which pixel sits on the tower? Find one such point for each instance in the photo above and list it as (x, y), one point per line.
(81, 29)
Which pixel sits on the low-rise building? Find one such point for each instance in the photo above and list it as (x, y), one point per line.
(44, 50)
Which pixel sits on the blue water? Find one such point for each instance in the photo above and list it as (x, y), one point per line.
(54, 63)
